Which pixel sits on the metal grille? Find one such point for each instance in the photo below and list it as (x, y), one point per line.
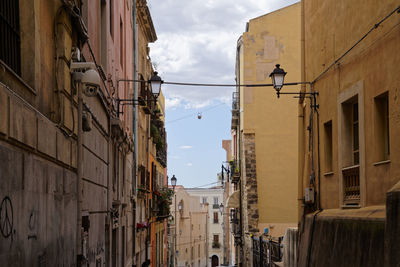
(351, 185)
(266, 252)
(9, 34)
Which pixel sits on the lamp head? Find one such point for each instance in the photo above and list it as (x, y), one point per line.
(155, 84)
(278, 77)
(221, 208)
(173, 181)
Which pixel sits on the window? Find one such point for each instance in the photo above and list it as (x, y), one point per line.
(216, 238)
(121, 43)
(215, 243)
(103, 39)
(215, 200)
(328, 146)
(215, 217)
(111, 17)
(356, 143)
(10, 41)
(350, 151)
(382, 127)
(350, 134)
(204, 200)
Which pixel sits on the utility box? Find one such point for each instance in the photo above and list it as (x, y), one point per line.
(309, 195)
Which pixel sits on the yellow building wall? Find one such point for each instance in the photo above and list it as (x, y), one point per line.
(372, 67)
(271, 39)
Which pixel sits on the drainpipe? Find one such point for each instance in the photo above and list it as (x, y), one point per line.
(238, 153)
(134, 122)
(79, 178)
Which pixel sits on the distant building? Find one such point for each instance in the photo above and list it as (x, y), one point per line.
(213, 198)
(188, 230)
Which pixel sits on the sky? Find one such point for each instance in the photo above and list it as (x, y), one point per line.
(197, 44)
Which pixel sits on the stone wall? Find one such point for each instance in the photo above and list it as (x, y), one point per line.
(343, 238)
(250, 198)
(392, 227)
(37, 188)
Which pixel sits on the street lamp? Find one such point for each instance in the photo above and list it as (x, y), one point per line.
(155, 84)
(278, 77)
(173, 183)
(221, 208)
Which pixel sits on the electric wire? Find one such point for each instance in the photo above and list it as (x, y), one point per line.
(192, 114)
(356, 43)
(204, 185)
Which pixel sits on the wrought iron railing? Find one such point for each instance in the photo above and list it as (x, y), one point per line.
(266, 252)
(351, 185)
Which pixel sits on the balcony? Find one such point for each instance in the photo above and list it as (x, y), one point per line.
(145, 98)
(216, 244)
(235, 171)
(235, 110)
(351, 186)
(158, 134)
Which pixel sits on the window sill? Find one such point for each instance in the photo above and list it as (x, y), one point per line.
(383, 162)
(351, 206)
(329, 174)
(17, 77)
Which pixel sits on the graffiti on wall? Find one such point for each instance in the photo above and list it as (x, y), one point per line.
(6, 217)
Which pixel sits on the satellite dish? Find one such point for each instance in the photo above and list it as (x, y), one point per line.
(199, 115)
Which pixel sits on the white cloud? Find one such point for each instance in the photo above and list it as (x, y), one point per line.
(185, 147)
(189, 164)
(171, 103)
(197, 43)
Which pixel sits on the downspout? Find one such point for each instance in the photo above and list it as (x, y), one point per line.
(238, 152)
(135, 137)
(302, 114)
(79, 178)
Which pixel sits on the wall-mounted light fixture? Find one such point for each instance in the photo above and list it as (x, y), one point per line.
(278, 79)
(155, 86)
(173, 182)
(221, 208)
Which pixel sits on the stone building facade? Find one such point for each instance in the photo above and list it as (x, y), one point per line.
(69, 159)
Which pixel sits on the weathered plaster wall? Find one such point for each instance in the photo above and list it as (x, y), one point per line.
(374, 63)
(272, 121)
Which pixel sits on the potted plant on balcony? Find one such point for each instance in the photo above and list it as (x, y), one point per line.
(216, 244)
(164, 202)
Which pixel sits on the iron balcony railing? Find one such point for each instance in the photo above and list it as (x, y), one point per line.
(351, 185)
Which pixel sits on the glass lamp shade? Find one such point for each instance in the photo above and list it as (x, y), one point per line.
(173, 181)
(278, 77)
(221, 208)
(155, 84)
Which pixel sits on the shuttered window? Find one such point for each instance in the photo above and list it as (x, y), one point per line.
(10, 40)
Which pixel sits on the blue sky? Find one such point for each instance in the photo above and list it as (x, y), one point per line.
(197, 43)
